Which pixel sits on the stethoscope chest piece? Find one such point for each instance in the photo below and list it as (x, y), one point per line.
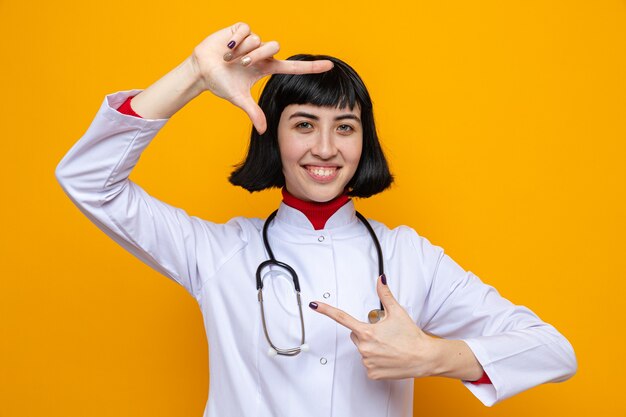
(376, 315)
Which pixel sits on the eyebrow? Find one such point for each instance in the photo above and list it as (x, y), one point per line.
(314, 117)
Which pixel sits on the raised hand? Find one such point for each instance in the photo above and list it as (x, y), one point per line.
(227, 63)
(230, 61)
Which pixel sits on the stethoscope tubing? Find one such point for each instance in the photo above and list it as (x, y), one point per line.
(296, 282)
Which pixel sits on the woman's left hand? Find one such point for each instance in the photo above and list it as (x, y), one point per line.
(393, 348)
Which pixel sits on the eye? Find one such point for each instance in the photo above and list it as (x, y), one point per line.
(304, 125)
(345, 128)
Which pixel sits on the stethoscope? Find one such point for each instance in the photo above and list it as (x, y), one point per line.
(374, 316)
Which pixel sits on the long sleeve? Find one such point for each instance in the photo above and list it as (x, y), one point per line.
(94, 174)
(515, 347)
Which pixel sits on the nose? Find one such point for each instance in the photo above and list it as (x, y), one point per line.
(324, 146)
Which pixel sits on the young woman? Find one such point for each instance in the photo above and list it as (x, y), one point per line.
(395, 307)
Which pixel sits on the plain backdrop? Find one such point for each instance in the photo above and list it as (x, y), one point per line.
(504, 122)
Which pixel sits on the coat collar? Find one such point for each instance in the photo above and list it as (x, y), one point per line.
(344, 217)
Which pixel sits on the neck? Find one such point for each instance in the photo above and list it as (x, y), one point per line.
(317, 213)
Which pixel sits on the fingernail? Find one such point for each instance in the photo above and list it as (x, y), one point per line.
(231, 44)
(245, 61)
(313, 305)
(383, 279)
(228, 56)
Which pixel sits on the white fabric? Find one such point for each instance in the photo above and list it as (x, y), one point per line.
(216, 263)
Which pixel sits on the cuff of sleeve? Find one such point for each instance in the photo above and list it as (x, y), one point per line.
(126, 108)
(482, 380)
(112, 103)
(486, 392)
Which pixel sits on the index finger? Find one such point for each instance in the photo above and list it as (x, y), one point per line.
(300, 67)
(339, 316)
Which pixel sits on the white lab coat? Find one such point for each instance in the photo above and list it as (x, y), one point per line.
(216, 263)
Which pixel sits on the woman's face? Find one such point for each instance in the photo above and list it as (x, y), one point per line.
(320, 149)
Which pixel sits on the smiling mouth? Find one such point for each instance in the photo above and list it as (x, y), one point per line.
(322, 173)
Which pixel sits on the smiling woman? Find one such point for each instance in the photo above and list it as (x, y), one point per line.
(315, 137)
(319, 151)
(331, 110)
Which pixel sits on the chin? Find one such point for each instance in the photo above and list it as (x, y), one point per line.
(323, 196)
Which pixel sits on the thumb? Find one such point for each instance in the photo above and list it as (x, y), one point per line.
(253, 111)
(385, 295)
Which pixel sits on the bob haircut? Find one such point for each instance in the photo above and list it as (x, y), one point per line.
(339, 87)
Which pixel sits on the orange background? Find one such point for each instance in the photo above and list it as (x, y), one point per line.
(504, 122)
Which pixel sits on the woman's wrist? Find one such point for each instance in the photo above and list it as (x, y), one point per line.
(170, 93)
(454, 359)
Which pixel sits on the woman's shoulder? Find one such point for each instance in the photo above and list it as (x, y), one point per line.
(404, 238)
(253, 224)
(400, 232)
(238, 227)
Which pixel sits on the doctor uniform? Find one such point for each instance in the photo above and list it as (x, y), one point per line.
(216, 264)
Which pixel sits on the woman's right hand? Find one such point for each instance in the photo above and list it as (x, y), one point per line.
(228, 72)
(229, 62)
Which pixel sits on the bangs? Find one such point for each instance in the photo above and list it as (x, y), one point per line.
(338, 87)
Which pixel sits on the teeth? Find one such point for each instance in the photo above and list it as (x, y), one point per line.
(322, 172)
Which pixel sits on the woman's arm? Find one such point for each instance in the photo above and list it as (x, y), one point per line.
(95, 175)
(95, 172)
(171, 93)
(514, 346)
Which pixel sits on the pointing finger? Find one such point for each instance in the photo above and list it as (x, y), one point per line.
(300, 67)
(339, 316)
